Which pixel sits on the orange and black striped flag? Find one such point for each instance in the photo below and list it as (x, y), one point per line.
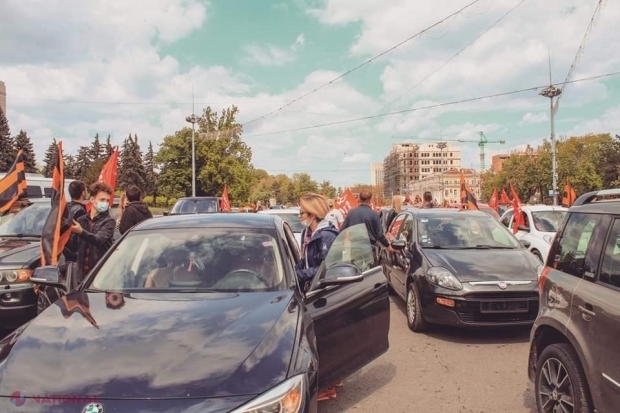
(57, 228)
(13, 184)
(468, 200)
(570, 196)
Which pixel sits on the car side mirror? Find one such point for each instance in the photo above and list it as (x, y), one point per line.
(399, 244)
(523, 228)
(166, 213)
(341, 274)
(48, 276)
(525, 243)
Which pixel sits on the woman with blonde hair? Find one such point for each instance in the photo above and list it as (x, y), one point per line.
(316, 240)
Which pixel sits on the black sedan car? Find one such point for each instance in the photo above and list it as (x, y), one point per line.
(198, 314)
(460, 268)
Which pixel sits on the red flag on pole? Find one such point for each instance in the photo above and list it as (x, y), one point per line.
(519, 219)
(504, 200)
(109, 172)
(468, 200)
(494, 201)
(224, 201)
(57, 228)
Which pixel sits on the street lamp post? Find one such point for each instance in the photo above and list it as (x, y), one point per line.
(552, 92)
(442, 146)
(193, 120)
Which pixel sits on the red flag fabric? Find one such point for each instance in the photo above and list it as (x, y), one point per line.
(468, 200)
(494, 201)
(224, 201)
(13, 184)
(516, 208)
(57, 228)
(504, 200)
(109, 172)
(570, 196)
(346, 202)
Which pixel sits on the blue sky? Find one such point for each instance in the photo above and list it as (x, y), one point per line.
(73, 68)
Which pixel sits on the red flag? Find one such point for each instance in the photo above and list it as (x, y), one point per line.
(504, 200)
(569, 194)
(109, 172)
(519, 219)
(468, 200)
(494, 202)
(346, 203)
(13, 184)
(224, 201)
(57, 228)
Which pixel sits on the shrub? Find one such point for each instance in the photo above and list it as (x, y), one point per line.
(172, 201)
(149, 200)
(161, 201)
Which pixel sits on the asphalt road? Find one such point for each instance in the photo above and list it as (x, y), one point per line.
(444, 370)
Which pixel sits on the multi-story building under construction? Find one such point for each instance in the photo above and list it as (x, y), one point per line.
(410, 162)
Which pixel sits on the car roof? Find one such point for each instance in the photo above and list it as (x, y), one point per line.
(238, 220)
(541, 207)
(280, 211)
(599, 207)
(196, 198)
(446, 212)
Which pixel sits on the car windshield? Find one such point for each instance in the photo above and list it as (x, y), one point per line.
(195, 206)
(194, 259)
(28, 221)
(548, 221)
(293, 221)
(464, 231)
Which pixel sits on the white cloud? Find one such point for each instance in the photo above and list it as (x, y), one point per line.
(530, 117)
(608, 123)
(270, 55)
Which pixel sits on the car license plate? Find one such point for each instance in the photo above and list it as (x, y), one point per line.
(504, 307)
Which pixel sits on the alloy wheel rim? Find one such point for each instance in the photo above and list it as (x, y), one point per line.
(411, 305)
(556, 388)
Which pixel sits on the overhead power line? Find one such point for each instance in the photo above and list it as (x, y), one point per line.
(438, 105)
(372, 59)
(112, 102)
(457, 54)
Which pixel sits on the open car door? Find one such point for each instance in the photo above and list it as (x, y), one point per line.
(349, 304)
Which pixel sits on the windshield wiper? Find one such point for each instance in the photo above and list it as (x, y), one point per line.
(488, 247)
(20, 235)
(436, 247)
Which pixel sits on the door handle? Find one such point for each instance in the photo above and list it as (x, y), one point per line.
(585, 311)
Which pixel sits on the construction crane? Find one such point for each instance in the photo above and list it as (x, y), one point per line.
(481, 143)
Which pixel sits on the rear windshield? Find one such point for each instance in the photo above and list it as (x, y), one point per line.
(195, 206)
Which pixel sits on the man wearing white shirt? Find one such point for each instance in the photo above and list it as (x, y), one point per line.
(334, 215)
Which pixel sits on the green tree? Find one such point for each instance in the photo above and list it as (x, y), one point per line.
(131, 166)
(108, 148)
(23, 143)
(8, 152)
(327, 189)
(97, 150)
(83, 163)
(302, 184)
(49, 159)
(70, 166)
(150, 177)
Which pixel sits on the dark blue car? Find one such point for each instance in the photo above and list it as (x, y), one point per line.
(200, 313)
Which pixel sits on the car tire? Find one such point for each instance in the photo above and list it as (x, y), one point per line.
(415, 318)
(563, 361)
(538, 255)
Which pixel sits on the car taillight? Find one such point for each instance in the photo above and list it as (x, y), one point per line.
(543, 277)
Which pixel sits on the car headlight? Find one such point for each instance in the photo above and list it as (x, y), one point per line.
(548, 238)
(15, 276)
(444, 278)
(286, 397)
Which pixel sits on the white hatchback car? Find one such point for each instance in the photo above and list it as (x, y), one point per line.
(546, 220)
(291, 216)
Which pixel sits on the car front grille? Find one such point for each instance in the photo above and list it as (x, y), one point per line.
(470, 310)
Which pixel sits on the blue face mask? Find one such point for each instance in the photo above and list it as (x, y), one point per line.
(102, 206)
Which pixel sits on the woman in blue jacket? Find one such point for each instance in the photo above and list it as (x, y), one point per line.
(316, 240)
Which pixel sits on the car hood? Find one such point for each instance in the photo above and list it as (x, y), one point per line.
(153, 345)
(486, 265)
(17, 252)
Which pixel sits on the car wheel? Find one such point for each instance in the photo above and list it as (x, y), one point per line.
(561, 384)
(415, 318)
(538, 255)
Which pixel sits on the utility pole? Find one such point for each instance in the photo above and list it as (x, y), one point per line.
(193, 120)
(442, 146)
(552, 92)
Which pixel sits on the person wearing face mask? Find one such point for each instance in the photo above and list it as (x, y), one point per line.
(95, 230)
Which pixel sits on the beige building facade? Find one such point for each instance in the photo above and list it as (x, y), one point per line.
(376, 173)
(448, 188)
